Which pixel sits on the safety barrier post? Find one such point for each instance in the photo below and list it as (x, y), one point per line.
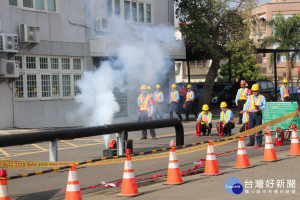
(53, 151)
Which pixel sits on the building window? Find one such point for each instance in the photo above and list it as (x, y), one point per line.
(55, 86)
(51, 5)
(19, 91)
(149, 13)
(66, 85)
(127, 10)
(19, 59)
(43, 63)
(109, 8)
(45, 81)
(28, 3)
(134, 11)
(30, 62)
(76, 88)
(65, 63)
(141, 13)
(54, 63)
(46, 87)
(13, 2)
(118, 8)
(40, 4)
(76, 64)
(31, 86)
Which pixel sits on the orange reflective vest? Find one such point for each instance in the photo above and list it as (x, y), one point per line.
(204, 120)
(144, 104)
(285, 91)
(253, 103)
(224, 117)
(173, 96)
(156, 97)
(243, 94)
(189, 95)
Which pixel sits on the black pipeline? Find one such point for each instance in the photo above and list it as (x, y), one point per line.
(72, 133)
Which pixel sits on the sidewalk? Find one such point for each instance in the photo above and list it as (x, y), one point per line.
(283, 172)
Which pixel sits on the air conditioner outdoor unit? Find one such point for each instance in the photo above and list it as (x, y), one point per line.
(9, 43)
(29, 33)
(102, 24)
(9, 68)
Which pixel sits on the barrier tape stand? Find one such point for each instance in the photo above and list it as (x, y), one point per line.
(248, 133)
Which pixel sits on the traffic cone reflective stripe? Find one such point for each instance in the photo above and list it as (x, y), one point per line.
(129, 186)
(269, 153)
(242, 160)
(3, 189)
(174, 176)
(295, 145)
(211, 165)
(73, 189)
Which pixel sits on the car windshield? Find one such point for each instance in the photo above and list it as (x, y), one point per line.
(218, 87)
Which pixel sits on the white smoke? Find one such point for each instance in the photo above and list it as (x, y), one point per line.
(141, 57)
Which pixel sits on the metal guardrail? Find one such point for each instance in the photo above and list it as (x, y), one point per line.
(67, 134)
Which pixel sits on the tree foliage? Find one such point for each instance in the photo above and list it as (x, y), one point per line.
(208, 26)
(243, 62)
(285, 35)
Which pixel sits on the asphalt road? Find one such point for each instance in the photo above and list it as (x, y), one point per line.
(52, 185)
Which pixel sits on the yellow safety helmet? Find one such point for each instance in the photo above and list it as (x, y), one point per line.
(148, 87)
(173, 86)
(143, 87)
(246, 85)
(205, 107)
(223, 104)
(285, 81)
(188, 86)
(255, 87)
(157, 86)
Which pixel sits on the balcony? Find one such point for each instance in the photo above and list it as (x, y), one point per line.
(198, 71)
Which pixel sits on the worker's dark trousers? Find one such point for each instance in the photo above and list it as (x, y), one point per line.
(145, 117)
(255, 119)
(174, 107)
(240, 107)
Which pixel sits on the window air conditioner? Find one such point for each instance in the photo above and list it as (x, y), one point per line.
(29, 33)
(102, 24)
(9, 68)
(9, 43)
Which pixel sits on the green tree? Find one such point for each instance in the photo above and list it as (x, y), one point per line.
(208, 26)
(285, 35)
(243, 62)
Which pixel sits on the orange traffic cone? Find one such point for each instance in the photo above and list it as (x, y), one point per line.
(174, 176)
(129, 186)
(242, 160)
(211, 165)
(295, 145)
(269, 154)
(73, 188)
(3, 186)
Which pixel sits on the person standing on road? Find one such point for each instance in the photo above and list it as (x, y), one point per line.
(174, 102)
(205, 120)
(227, 119)
(284, 91)
(245, 120)
(255, 104)
(241, 98)
(145, 102)
(189, 102)
(158, 100)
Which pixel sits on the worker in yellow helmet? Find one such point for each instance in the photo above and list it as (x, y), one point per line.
(174, 102)
(226, 118)
(145, 102)
(241, 98)
(205, 121)
(189, 102)
(284, 91)
(158, 103)
(255, 104)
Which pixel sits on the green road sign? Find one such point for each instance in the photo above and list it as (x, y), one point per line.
(278, 109)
